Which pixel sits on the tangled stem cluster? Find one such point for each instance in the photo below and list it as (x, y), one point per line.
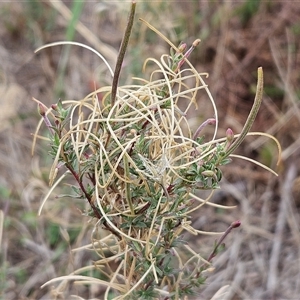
(140, 166)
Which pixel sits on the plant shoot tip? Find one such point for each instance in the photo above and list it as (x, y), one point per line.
(196, 42)
(236, 224)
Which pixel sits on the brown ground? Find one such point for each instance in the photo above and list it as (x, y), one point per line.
(262, 258)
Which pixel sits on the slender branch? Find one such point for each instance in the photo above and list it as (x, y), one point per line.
(120, 59)
(88, 197)
(127, 185)
(122, 52)
(210, 121)
(234, 224)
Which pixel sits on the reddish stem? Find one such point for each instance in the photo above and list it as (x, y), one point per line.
(234, 224)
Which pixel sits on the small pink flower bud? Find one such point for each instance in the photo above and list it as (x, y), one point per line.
(187, 53)
(236, 224)
(182, 48)
(42, 109)
(54, 107)
(210, 121)
(229, 135)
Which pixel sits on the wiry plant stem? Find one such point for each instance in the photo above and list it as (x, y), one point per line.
(234, 224)
(127, 185)
(122, 52)
(214, 252)
(120, 59)
(211, 121)
(89, 198)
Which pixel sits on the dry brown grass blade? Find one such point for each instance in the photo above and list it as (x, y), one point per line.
(221, 293)
(109, 52)
(282, 219)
